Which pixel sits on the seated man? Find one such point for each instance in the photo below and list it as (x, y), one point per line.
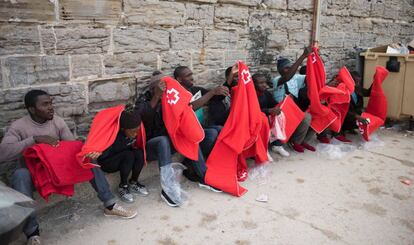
(268, 106)
(42, 126)
(201, 98)
(159, 146)
(289, 83)
(122, 156)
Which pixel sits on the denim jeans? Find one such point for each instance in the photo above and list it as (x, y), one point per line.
(21, 181)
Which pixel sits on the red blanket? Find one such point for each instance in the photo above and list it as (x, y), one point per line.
(338, 98)
(104, 128)
(55, 169)
(180, 120)
(322, 116)
(240, 132)
(376, 111)
(293, 114)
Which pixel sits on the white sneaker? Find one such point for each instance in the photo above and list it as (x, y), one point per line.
(34, 240)
(280, 150)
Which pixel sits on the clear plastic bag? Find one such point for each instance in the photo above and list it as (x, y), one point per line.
(171, 176)
(277, 130)
(259, 174)
(334, 150)
(374, 142)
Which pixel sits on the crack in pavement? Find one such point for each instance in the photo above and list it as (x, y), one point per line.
(403, 162)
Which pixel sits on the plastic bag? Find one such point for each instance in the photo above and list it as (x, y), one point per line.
(334, 150)
(259, 174)
(374, 142)
(171, 175)
(277, 131)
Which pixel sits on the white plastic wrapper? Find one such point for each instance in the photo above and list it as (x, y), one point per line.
(259, 174)
(171, 176)
(277, 130)
(374, 142)
(335, 150)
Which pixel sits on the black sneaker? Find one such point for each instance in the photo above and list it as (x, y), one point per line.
(167, 199)
(203, 185)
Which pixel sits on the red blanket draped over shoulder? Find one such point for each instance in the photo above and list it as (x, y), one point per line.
(182, 124)
(104, 128)
(376, 111)
(322, 116)
(55, 169)
(240, 133)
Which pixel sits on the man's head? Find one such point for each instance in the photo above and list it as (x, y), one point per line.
(39, 104)
(357, 78)
(130, 122)
(260, 82)
(184, 75)
(283, 66)
(228, 73)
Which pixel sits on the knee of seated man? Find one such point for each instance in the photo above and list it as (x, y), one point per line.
(21, 174)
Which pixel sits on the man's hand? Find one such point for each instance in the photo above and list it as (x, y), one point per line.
(221, 90)
(275, 111)
(307, 51)
(45, 139)
(93, 155)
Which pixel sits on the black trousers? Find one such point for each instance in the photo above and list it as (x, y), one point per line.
(131, 160)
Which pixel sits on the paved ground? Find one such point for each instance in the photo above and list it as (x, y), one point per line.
(358, 199)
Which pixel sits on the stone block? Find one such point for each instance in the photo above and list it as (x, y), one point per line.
(186, 38)
(232, 56)
(91, 10)
(86, 65)
(299, 39)
(228, 15)
(48, 37)
(277, 39)
(266, 19)
(130, 63)
(140, 39)
(206, 59)
(19, 39)
(360, 8)
(171, 59)
(241, 2)
(300, 5)
(111, 90)
(155, 13)
(27, 10)
(275, 4)
(81, 40)
(200, 15)
(36, 69)
(220, 39)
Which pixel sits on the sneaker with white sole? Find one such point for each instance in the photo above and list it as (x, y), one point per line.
(125, 195)
(137, 188)
(203, 185)
(167, 199)
(120, 211)
(280, 150)
(34, 240)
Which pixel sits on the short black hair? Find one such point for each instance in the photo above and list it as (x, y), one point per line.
(156, 72)
(178, 70)
(355, 74)
(228, 71)
(256, 76)
(302, 70)
(31, 97)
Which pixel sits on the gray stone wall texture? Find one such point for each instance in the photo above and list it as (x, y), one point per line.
(90, 54)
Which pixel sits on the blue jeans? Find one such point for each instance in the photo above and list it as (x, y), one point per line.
(21, 181)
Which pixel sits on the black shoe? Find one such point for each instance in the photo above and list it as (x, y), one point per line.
(191, 176)
(167, 199)
(208, 187)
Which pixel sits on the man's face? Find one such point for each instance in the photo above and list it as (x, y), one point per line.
(284, 71)
(43, 108)
(260, 84)
(186, 77)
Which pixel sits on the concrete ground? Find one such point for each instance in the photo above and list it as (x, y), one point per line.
(358, 199)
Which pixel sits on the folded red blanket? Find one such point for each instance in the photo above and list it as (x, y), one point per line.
(55, 169)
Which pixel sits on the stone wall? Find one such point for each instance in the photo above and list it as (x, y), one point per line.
(91, 54)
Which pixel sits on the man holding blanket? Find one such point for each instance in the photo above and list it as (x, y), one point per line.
(43, 126)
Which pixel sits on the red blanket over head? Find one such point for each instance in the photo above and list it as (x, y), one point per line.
(180, 120)
(55, 169)
(376, 111)
(322, 116)
(103, 132)
(240, 133)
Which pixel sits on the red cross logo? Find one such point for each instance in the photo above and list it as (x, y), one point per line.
(172, 96)
(246, 77)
